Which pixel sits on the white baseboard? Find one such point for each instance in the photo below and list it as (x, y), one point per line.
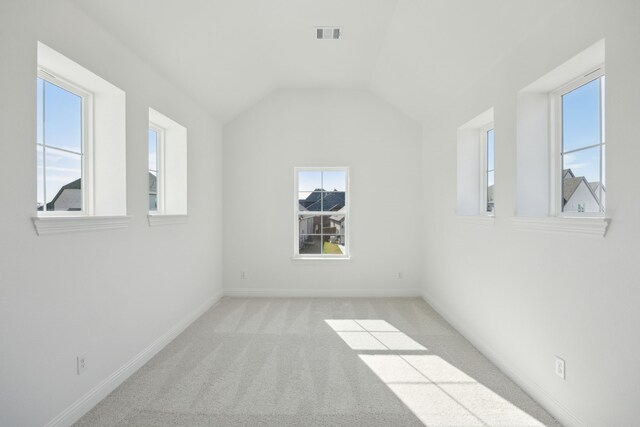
(81, 406)
(321, 293)
(555, 408)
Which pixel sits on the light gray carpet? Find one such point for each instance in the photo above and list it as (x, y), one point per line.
(290, 362)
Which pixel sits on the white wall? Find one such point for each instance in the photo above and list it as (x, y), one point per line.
(106, 294)
(322, 128)
(525, 297)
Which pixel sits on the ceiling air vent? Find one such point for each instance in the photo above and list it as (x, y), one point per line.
(328, 33)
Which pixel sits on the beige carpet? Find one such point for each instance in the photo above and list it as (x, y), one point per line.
(319, 362)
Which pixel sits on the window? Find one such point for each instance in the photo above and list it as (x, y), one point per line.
(560, 148)
(580, 133)
(156, 145)
(81, 148)
(476, 170)
(488, 169)
(321, 209)
(167, 170)
(63, 168)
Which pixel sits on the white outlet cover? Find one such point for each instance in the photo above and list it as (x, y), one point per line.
(81, 363)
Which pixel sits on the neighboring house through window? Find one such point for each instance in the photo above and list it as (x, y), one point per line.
(321, 213)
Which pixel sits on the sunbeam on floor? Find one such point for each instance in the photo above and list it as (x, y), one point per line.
(438, 393)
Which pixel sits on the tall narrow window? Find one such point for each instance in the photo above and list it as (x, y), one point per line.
(583, 145)
(61, 146)
(488, 201)
(167, 170)
(156, 145)
(321, 212)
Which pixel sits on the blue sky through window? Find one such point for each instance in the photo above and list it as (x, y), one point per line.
(490, 156)
(327, 180)
(581, 128)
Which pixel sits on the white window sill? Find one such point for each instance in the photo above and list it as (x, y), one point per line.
(486, 220)
(67, 224)
(317, 258)
(586, 226)
(163, 219)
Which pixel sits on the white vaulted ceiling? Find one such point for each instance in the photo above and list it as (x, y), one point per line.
(229, 54)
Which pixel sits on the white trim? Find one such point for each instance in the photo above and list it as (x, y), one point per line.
(321, 293)
(160, 219)
(59, 224)
(83, 405)
(540, 395)
(594, 226)
(302, 258)
(486, 220)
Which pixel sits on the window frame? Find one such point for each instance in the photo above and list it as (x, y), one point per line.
(484, 168)
(297, 212)
(160, 165)
(556, 142)
(87, 160)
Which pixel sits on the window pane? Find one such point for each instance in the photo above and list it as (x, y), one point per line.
(581, 181)
(581, 117)
(490, 187)
(310, 201)
(62, 118)
(40, 178)
(63, 180)
(602, 189)
(39, 97)
(490, 150)
(309, 180)
(333, 224)
(309, 224)
(152, 138)
(309, 244)
(153, 191)
(333, 245)
(153, 148)
(333, 201)
(334, 180)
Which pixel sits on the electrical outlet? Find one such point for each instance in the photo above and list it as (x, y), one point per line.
(81, 363)
(399, 274)
(243, 275)
(560, 367)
